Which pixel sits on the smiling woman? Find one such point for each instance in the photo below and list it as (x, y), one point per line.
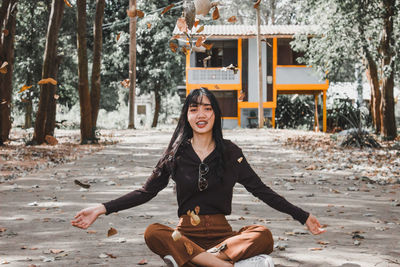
(205, 168)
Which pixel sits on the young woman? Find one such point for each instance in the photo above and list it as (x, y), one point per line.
(205, 168)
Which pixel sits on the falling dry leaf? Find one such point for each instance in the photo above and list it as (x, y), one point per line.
(6, 32)
(118, 36)
(199, 41)
(148, 25)
(48, 80)
(167, 9)
(25, 87)
(142, 262)
(112, 231)
(207, 46)
(232, 19)
(126, 83)
(196, 23)
(215, 14)
(257, 4)
(181, 24)
(139, 13)
(51, 140)
(67, 3)
(200, 29)
(173, 46)
(77, 182)
(176, 235)
(184, 50)
(3, 68)
(189, 248)
(56, 251)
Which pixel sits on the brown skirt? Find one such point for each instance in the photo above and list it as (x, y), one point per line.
(213, 232)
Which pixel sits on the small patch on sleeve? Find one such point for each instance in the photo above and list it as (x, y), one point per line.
(240, 159)
(189, 248)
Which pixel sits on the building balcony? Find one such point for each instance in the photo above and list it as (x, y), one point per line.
(212, 76)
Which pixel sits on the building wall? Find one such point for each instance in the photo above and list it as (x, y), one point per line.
(253, 70)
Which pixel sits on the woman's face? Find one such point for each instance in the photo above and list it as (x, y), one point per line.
(201, 116)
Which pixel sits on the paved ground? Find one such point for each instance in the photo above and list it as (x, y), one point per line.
(362, 219)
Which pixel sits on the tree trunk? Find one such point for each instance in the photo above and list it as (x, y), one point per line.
(83, 87)
(95, 81)
(47, 91)
(372, 76)
(388, 120)
(273, 11)
(52, 105)
(132, 67)
(158, 105)
(6, 55)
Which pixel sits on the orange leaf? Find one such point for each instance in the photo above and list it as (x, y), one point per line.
(232, 19)
(181, 24)
(215, 15)
(51, 140)
(126, 83)
(111, 231)
(167, 9)
(67, 3)
(6, 32)
(139, 13)
(142, 262)
(207, 46)
(173, 46)
(48, 80)
(23, 88)
(199, 41)
(148, 25)
(118, 36)
(3, 68)
(196, 23)
(257, 4)
(200, 29)
(314, 249)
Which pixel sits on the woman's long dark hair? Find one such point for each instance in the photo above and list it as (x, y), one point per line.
(184, 131)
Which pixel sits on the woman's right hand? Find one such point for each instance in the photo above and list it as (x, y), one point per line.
(86, 217)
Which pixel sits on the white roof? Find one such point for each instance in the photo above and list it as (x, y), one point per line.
(251, 30)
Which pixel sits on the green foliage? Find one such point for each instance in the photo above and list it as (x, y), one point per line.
(345, 115)
(295, 112)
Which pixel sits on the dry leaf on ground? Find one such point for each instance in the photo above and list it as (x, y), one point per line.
(314, 249)
(56, 251)
(142, 262)
(77, 182)
(112, 231)
(51, 140)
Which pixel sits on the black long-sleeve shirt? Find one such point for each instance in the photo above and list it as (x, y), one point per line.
(217, 198)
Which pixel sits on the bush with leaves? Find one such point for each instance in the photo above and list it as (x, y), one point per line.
(295, 112)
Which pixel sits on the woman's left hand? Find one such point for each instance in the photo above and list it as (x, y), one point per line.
(314, 226)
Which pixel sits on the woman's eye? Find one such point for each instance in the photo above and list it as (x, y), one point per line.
(192, 110)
